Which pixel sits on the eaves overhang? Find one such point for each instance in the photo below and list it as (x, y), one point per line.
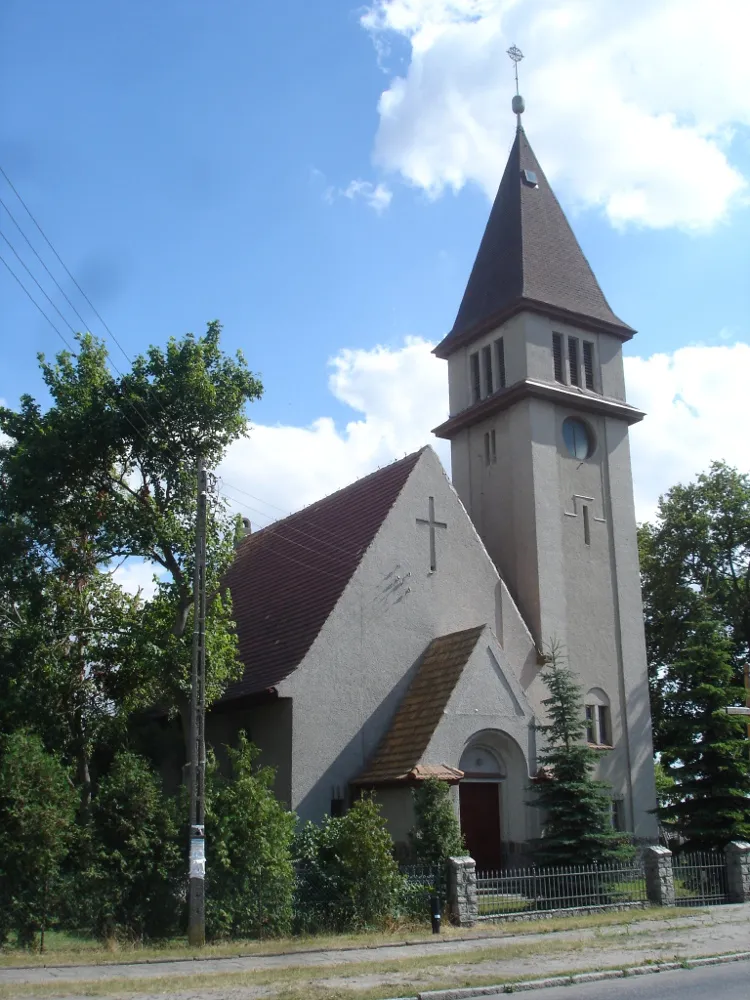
(576, 399)
(456, 339)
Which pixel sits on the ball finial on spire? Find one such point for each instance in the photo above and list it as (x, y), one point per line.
(517, 104)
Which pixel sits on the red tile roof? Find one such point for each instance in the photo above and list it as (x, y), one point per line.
(529, 257)
(287, 578)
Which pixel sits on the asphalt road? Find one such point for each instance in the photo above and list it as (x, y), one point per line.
(718, 982)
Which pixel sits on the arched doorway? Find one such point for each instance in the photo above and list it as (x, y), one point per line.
(479, 804)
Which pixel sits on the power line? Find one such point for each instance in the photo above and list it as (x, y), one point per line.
(62, 262)
(41, 261)
(60, 335)
(33, 278)
(144, 417)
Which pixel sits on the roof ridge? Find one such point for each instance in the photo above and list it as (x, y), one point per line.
(311, 507)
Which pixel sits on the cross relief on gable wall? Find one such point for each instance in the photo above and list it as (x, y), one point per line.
(432, 524)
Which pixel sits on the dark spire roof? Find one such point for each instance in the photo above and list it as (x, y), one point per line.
(528, 258)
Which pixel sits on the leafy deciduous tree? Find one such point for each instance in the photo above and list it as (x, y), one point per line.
(695, 560)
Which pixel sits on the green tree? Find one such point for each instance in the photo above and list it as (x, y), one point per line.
(437, 833)
(107, 472)
(576, 807)
(348, 876)
(249, 834)
(695, 560)
(137, 857)
(37, 807)
(707, 755)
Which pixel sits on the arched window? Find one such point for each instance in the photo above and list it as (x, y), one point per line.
(598, 718)
(479, 761)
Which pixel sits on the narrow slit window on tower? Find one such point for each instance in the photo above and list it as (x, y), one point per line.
(493, 447)
(590, 724)
(489, 387)
(557, 356)
(500, 358)
(605, 728)
(586, 525)
(574, 371)
(588, 364)
(487, 448)
(476, 380)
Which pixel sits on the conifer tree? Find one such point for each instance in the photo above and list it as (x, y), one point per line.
(577, 817)
(437, 833)
(706, 750)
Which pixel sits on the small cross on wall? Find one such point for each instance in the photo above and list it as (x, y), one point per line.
(432, 524)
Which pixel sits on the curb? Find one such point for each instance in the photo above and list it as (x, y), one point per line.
(576, 979)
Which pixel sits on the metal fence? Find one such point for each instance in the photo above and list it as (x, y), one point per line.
(529, 890)
(700, 879)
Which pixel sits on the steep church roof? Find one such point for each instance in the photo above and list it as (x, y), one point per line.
(287, 578)
(528, 258)
(397, 758)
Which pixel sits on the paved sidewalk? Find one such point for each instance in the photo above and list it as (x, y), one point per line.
(714, 931)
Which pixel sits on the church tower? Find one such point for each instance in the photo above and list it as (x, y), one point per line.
(540, 458)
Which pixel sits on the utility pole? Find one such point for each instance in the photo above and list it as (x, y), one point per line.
(197, 762)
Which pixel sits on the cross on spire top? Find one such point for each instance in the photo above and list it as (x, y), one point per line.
(518, 103)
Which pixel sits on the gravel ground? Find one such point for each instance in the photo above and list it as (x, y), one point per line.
(715, 931)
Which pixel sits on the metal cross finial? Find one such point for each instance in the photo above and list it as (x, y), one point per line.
(518, 106)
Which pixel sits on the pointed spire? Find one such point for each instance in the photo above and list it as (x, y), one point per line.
(529, 258)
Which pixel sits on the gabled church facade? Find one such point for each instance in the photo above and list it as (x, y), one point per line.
(396, 629)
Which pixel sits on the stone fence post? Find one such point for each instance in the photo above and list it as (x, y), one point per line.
(462, 891)
(659, 876)
(737, 856)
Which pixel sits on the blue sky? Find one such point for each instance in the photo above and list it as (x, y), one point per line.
(231, 160)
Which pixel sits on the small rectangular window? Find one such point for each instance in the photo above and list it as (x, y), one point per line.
(500, 358)
(337, 807)
(588, 364)
(573, 370)
(557, 356)
(476, 381)
(590, 724)
(487, 366)
(493, 447)
(605, 735)
(487, 448)
(618, 815)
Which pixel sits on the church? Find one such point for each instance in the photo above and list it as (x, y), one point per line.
(397, 629)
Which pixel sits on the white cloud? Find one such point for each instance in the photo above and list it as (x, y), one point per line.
(377, 196)
(135, 575)
(399, 394)
(695, 399)
(631, 107)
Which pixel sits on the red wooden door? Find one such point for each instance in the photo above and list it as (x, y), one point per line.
(480, 822)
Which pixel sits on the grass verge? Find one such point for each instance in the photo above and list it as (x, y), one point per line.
(65, 949)
(418, 972)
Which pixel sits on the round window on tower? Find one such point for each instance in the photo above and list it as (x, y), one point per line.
(578, 438)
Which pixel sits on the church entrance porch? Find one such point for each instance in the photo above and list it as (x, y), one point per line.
(479, 802)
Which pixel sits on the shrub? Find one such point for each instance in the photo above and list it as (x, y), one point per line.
(436, 835)
(37, 811)
(249, 833)
(347, 875)
(137, 875)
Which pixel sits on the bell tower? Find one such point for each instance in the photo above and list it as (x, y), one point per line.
(540, 458)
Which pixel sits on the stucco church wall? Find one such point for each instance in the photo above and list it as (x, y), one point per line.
(488, 707)
(364, 657)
